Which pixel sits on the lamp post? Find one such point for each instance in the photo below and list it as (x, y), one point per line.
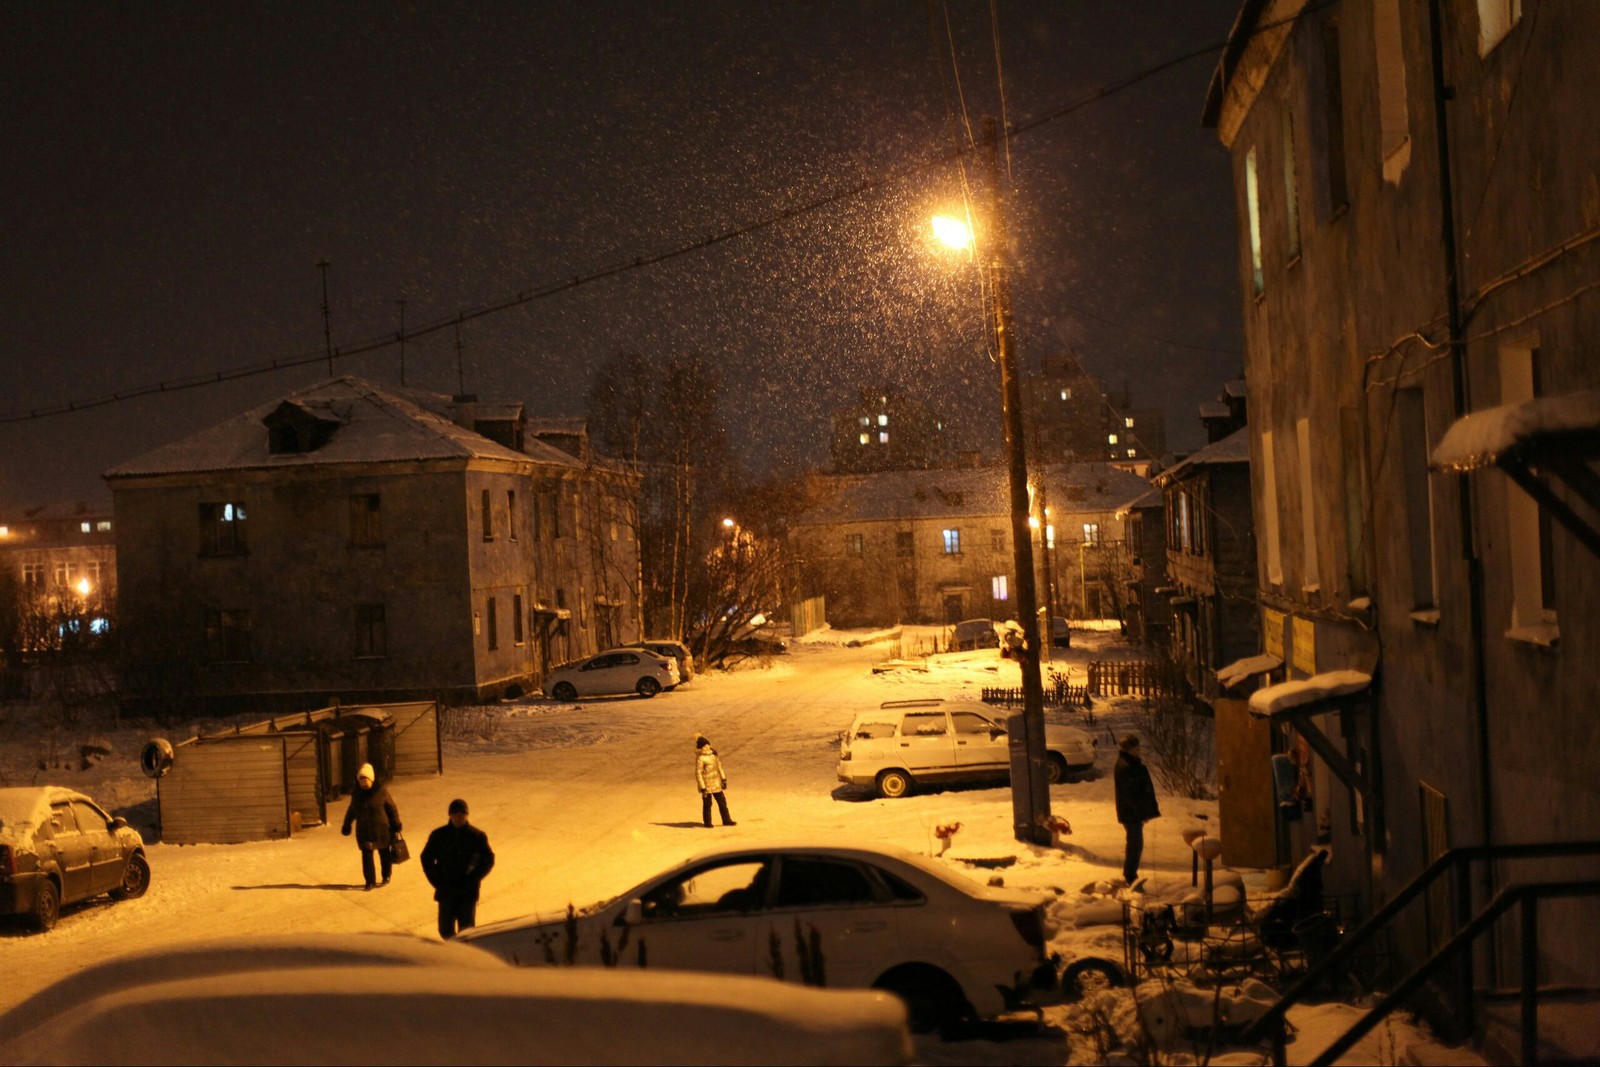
(1030, 786)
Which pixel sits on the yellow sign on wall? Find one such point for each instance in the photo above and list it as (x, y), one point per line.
(1305, 645)
(1272, 632)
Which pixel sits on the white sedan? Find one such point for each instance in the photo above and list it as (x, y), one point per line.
(851, 917)
(618, 670)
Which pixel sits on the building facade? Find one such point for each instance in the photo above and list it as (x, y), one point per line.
(936, 546)
(1418, 220)
(58, 578)
(885, 430)
(354, 542)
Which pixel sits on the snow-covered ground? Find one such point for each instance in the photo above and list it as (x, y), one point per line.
(582, 800)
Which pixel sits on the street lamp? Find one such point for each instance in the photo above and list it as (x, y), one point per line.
(1030, 787)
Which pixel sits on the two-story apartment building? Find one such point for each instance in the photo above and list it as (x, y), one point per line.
(935, 546)
(1419, 238)
(365, 543)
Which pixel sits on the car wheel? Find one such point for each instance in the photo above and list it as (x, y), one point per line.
(564, 691)
(932, 998)
(46, 905)
(894, 784)
(135, 879)
(1055, 768)
(648, 687)
(1090, 975)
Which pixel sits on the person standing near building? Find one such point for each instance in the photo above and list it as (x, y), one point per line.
(1136, 803)
(456, 860)
(377, 823)
(713, 780)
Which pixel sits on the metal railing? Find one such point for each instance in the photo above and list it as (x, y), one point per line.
(1272, 1023)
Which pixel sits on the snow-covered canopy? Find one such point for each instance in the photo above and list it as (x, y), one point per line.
(1297, 693)
(1482, 437)
(1240, 669)
(1235, 448)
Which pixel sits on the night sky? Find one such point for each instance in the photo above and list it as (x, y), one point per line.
(174, 172)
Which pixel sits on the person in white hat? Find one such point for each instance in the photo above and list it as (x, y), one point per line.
(377, 822)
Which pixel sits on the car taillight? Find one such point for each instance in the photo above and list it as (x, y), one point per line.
(1030, 924)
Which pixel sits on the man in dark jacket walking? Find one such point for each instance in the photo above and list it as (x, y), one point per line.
(456, 859)
(1136, 803)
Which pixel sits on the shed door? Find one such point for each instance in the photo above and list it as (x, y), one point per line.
(1245, 803)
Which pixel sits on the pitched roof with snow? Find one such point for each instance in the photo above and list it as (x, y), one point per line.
(1234, 448)
(964, 492)
(367, 424)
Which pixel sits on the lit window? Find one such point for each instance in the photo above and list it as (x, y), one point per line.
(866, 420)
(883, 437)
(952, 542)
(85, 527)
(1066, 394)
(5, 531)
(1111, 438)
(1252, 194)
(222, 529)
(104, 525)
(863, 439)
(1495, 19)
(997, 587)
(1050, 535)
(1132, 452)
(1091, 533)
(883, 420)
(1128, 422)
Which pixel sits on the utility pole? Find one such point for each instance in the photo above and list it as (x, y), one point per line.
(402, 336)
(327, 329)
(1030, 788)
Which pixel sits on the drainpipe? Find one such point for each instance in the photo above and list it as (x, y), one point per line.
(1462, 399)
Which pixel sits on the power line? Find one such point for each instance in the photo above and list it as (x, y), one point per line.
(549, 289)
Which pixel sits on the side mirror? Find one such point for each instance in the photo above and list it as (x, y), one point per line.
(996, 731)
(118, 823)
(634, 915)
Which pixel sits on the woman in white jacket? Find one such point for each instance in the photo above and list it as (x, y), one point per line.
(712, 779)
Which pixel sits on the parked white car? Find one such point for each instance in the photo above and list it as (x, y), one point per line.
(907, 743)
(617, 670)
(854, 917)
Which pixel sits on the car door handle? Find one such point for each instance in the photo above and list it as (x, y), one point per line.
(960, 742)
(727, 935)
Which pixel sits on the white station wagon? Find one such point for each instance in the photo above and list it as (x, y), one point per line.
(843, 917)
(905, 743)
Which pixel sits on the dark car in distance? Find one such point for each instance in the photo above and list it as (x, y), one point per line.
(58, 847)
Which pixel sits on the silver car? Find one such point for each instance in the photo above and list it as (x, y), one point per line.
(906, 743)
(59, 847)
(615, 671)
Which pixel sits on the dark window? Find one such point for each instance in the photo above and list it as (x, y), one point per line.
(813, 882)
(516, 618)
(228, 636)
(905, 543)
(366, 519)
(372, 634)
(1333, 118)
(854, 545)
(536, 502)
(899, 888)
(555, 513)
(734, 885)
(511, 514)
(489, 622)
(487, 517)
(924, 724)
(1417, 498)
(222, 529)
(997, 541)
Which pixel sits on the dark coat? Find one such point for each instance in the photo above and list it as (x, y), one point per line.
(1136, 794)
(455, 860)
(376, 818)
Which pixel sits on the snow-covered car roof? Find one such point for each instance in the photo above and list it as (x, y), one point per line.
(452, 1004)
(24, 807)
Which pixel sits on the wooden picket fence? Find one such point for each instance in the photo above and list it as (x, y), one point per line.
(1147, 678)
(1060, 695)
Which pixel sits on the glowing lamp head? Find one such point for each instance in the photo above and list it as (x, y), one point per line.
(83, 586)
(727, 524)
(952, 232)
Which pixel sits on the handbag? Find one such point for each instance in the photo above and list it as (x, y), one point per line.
(399, 851)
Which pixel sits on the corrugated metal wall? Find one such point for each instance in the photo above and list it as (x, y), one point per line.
(416, 738)
(225, 790)
(301, 751)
